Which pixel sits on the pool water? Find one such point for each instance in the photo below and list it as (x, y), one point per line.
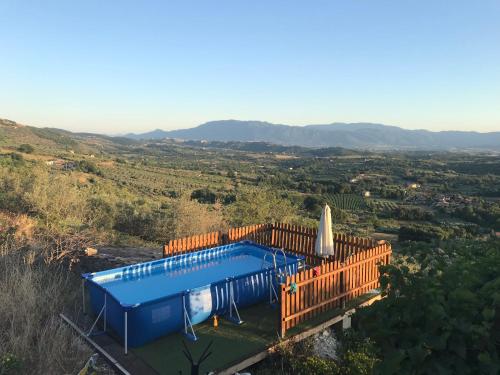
(140, 287)
(148, 300)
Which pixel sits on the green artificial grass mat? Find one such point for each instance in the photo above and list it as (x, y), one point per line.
(231, 342)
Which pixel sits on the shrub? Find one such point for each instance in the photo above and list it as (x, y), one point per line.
(9, 364)
(204, 196)
(260, 206)
(88, 167)
(26, 148)
(17, 157)
(440, 311)
(312, 204)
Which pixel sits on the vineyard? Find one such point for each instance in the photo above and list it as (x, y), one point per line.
(348, 202)
(382, 205)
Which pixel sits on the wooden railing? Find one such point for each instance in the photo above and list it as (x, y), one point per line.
(193, 243)
(313, 291)
(292, 238)
(334, 280)
(298, 240)
(260, 233)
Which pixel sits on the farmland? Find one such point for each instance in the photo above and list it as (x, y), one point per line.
(369, 192)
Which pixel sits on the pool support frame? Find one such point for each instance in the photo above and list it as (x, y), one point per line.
(232, 314)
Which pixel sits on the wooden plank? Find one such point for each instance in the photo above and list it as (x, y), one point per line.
(115, 365)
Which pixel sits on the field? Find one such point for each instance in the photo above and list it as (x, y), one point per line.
(425, 189)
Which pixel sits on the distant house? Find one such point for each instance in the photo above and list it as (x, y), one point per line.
(56, 163)
(366, 194)
(412, 185)
(62, 164)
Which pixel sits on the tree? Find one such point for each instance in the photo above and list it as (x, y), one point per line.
(204, 195)
(259, 206)
(26, 148)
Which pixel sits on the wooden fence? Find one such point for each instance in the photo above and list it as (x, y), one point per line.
(193, 243)
(260, 233)
(313, 291)
(334, 280)
(291, 238)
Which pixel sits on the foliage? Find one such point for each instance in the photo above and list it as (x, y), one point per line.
(204, 195)
(17, 157)
(429, 233)
(88, 167)
(26, 148)
(483, 213)
(355, 356)
(9, 364)
(440, 311)
(259, 206)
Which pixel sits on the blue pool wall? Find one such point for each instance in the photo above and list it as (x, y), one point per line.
(150, 320)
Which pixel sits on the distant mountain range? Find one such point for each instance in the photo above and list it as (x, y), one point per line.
(355, 136)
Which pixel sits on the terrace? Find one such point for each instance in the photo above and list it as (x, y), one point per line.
(307, 300)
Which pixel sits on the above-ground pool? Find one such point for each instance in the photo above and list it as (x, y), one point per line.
(149, 300)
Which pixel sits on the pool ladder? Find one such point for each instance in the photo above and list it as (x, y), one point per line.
(278, 275)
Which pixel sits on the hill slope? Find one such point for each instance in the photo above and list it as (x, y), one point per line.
(358, 135)
(53, 140)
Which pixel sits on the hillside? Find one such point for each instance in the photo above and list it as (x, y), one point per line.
(357, 135)
(13, 134)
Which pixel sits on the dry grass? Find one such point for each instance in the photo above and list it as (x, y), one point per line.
(32, 294)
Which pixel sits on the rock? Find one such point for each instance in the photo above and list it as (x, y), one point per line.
(325, 345)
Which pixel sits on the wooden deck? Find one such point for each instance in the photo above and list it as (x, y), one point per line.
(234, 348)
(310, 301)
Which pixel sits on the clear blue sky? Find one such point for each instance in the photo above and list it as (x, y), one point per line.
(119, 66)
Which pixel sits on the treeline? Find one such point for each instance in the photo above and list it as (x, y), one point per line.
(483, 213)
(65, 203)
(436, 232)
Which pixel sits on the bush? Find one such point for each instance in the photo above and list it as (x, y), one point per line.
(204, 196)
(425, 233)
(260, 206)
(9, 364)
(16, 157)
(355, 355)
(26, 148)
(440, 311)
(312, 204)
(88, 167)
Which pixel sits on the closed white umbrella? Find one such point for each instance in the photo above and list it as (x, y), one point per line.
(324, 241)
